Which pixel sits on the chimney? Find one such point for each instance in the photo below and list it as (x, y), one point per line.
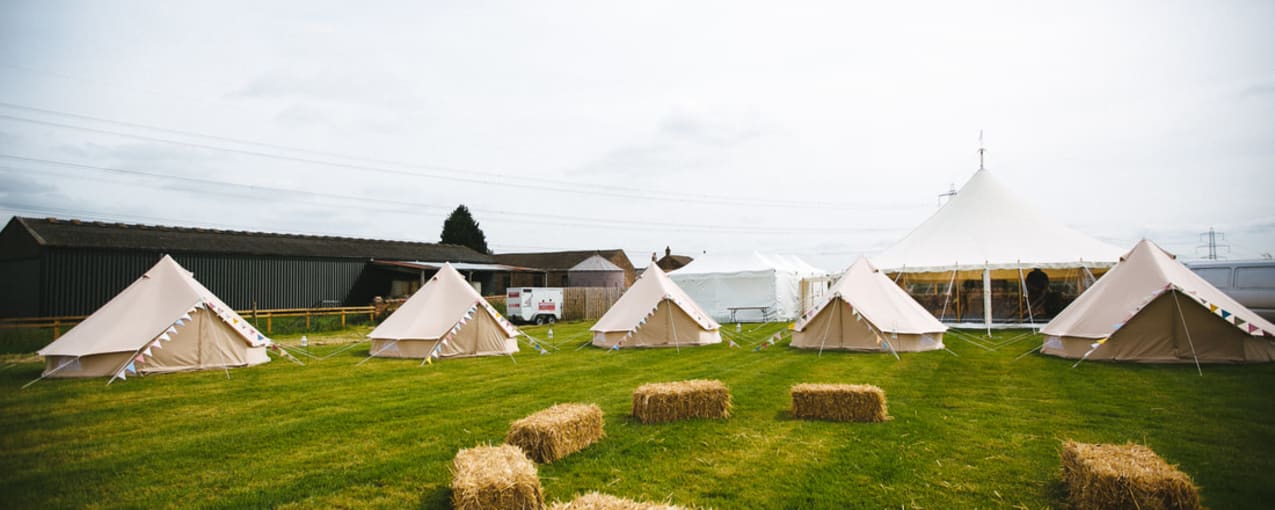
(668, 252)
(653, 256)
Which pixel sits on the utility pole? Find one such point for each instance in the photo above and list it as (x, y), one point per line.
(1210, 240)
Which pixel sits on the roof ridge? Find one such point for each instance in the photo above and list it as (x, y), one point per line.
(178, 228)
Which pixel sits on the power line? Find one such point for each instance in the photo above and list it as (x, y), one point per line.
(509, 216)
(425, 171)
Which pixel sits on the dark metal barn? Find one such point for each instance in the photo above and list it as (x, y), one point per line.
(54, 267)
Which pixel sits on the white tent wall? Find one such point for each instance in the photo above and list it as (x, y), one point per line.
(778, 293)
(758, 287)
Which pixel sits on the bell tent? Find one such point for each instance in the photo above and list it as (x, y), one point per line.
(866, 311)
(987, 233)
(446, 318)
(655, 312)
(166, 321)
(1152, 309)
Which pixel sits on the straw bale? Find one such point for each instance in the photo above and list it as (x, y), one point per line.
(558, 431)
(839, 402)
(599, 501)
(495, 477)
(663, 402)
(1124, 476)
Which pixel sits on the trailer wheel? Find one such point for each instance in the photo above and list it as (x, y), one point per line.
(540, 319)
(551, 319)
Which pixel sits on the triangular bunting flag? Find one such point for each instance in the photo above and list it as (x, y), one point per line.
(172, 330)
(733, 344)
(1213, 308)
(179, 322)
(186, 316)
(1239, 321)
(147, 351)
(1252, 328)
(131, 367)
(164, 337)
(1225, 314)
(121, 375)
(139, 359)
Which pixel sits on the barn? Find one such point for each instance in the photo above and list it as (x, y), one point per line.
(58, 267)
(554, 267)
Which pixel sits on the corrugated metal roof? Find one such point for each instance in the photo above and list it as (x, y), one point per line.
(168, 239)
(596, 263)
(558, 260)
(460, 266)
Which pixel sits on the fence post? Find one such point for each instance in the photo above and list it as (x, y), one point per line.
(269, 323)
(57, 329)
(307, 319)
(342, 318)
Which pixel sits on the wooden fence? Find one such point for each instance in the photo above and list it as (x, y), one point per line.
(588, 303)
(264, 319)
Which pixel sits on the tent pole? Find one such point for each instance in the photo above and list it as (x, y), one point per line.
(672, 329)
(51, 372)
(1027, 296)
(948, 297)
(1188, 332)
(987, 298)
(823, 338)
(371, 354)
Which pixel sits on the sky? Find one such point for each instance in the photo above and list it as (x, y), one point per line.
(822, 129)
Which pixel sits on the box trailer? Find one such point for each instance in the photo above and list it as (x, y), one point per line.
(535, 305)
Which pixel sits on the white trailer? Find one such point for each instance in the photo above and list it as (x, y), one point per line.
(537, 305)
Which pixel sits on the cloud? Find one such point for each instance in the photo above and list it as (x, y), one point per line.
(15, 187)
(1259, 89)
(301, 115)
(684, 140)
(350, 84)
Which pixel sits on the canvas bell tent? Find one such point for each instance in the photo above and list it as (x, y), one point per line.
(971, 263)
(1152, 309)
(655, 312)
(753, 287)
(446, 318)
(866, 311)
(166, 321)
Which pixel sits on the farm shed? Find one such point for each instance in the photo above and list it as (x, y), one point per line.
(555, 266)
(596, 271)
(56, 267)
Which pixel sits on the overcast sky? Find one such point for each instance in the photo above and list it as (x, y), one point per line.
(823, 129)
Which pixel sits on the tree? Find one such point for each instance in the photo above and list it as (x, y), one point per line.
(460, 228)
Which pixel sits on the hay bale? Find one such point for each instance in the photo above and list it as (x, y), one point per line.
(663, 402)
(839, 402)
(495, 477)
(599, 501)
(558, 431)
(1124, 476)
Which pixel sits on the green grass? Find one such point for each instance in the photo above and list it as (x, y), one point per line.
(976, 431)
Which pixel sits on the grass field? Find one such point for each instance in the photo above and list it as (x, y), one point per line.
(973, 429)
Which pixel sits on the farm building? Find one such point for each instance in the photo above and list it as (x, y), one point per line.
(671, 262)
(554, 267)
(596, 271)
(54, 267)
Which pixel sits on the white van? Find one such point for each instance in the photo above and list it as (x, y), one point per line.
(1251, 282)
